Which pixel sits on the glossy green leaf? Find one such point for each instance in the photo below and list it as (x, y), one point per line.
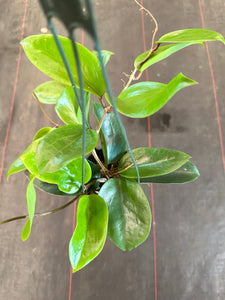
(186, 173)
(106, 55)
(69, 178)
(49, 188)
(43, 53)
(42, 132)
(91, 231)
(196, 35)
(16, 166)
(129, 212)
(31, 201)
(112, 140)
(66, 106)
(48, 92)
(152, 162)
(143, 99)
(61, 146)
(161, 53)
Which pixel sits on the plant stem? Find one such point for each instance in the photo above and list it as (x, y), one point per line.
(152, 49)
(107, 110)
(42, 109)
(104, 169)
(118, 172)
(41, 214)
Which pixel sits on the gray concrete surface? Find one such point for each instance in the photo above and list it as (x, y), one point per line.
(190, 226)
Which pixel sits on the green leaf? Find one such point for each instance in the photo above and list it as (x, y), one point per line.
(112, 140)
(61, 146)
(43, 53)
(106, 55)
(193, 35)
(48, 92)
(69, 178)
(26, 231)
(152, 162)
(66, 106)
(31, 201)
(28, 156)
(49, 188)
(42, 132)
(158, 55)
(90, 233)
(186, 173)
(129, 212)
(16, 166)
(143, 99)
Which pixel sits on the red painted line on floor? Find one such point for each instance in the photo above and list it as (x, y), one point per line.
(14, 93)
(152, 190)
(214, 89)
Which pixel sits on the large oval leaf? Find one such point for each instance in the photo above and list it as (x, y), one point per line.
(129, 212)
(112, 140)
(146, 98)
(196, 35)
(43, 53)
(48, 92)
(158, 55)
(152, 162)
(186, 173)
(91, 231)
(61, 146)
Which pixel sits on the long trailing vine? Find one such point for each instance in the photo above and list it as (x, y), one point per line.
(64, 161)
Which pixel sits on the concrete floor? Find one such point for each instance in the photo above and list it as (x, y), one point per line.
(189, 219)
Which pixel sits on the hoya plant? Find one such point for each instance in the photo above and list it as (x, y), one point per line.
(64, 160)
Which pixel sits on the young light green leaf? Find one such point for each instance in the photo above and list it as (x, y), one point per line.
(61, 146)
(152, 162)
(186, 173)
(66, 106)
(112, 140)
(106, 55)
(43, 53)
(129, 212)
(158, 55)
(91, 231)
(31, 201)
(69, 178)
(28, 156)
(42, 132)
(193, 35)
(143, 99)
(48, 92)
(16, 166)
(49, 188)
